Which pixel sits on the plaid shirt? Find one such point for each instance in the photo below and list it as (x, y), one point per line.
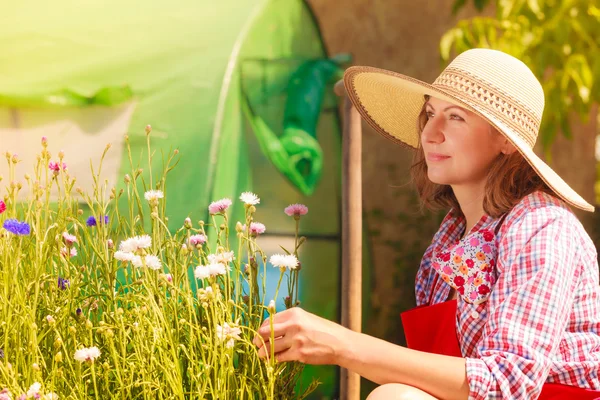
(541, 321)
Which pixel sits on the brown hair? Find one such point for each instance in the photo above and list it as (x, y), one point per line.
(509, 179)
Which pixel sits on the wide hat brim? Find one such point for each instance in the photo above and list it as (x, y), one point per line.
(391, 103)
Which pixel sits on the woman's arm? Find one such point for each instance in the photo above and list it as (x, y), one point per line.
(382, 362)
(310, 339)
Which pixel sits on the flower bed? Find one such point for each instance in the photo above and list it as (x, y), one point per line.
(109, 304)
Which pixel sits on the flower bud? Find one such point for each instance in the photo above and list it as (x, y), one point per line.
(44, 141)
(61, 154)
(127, 178)
(187, 223)
(58, 357)
(271, 307)
(148, 129)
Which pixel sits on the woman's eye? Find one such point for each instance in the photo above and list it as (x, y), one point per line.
(456, 117)
(429, 114)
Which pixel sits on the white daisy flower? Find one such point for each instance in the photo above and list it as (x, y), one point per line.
(87, 354)
(153, 195)
(153, 262)
(284, 261)
(135, 243)
(34, 389)
(249, 198)
(229, 333)
(123, 255)
(202, 272)
(137, 261)
(223, 258)
(217, 269)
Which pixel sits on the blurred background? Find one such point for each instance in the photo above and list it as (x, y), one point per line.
(244, 90)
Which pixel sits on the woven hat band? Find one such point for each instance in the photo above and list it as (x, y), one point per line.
(486, 98)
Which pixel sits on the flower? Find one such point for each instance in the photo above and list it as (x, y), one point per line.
(469, 262)
(284, 261)
(110, 243)
(217, 269)
(229, 333)
(196, 240)
(69, 239)
(167, 277)
(219, 206)
(459, 280)
(51, 396)
(34, 389)
(488, 235)
(202, 272)
(72, 252)
(16, 227)
(55, 167)
(63, 283)
(256, 228)
(5, 394)
(464, 269)
(249, 198)
(153, 195)
(205, 294)
(223, 258)
(296, 210)
(271, 307)
(87, 354)
(135, 243)
(483, 289)
(480, 256)
(477, 281)
(91, 221)
(137, 261)
(123, 255)
(153, 262)
(457, 259)
(2, 206)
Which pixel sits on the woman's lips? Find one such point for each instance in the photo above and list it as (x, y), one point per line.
(436, 157)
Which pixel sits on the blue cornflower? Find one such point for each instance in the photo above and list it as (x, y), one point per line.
(16, 227)
(91, 221)
(63, 283)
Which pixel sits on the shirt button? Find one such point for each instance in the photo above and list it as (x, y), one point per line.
(474, 314)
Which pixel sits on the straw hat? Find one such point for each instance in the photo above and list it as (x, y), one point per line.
(490, 83)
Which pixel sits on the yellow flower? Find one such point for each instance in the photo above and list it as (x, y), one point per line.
(457, 259)
(480, 256)
(446, 278)
(477, 281)
(464, 269)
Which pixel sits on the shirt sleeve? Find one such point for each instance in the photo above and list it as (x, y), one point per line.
(529, 306)
(424, 278)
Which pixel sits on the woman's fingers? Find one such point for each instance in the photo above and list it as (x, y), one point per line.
(280, 344)
(265, 333)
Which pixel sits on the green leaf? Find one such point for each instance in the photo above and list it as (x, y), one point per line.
(480, 4)
(448, 40)
(458, 4)
(283, 248)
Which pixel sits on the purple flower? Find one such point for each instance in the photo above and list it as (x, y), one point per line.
(63, 283)
(78, 312)
(91, 221)
(16, 227)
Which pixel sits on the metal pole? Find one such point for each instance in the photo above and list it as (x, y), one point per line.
(351, 233)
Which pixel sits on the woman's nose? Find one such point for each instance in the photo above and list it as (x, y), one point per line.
(433, 131)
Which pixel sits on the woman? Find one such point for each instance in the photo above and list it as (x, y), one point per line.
(508, 294)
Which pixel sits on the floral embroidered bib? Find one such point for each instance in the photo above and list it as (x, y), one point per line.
(469, 265)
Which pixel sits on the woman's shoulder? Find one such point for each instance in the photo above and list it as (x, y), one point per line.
(540, 211)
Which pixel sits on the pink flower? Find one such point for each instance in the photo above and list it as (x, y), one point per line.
(473, 295)
(2, 207)
(256, 228)
(197, 240)
(219, 206)
(447, 270)
(296, 210)
(55, 167)
(486, 248)
(69, 239)
(460, 251)
(474, 242)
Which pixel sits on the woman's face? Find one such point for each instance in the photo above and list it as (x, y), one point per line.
(458, 145)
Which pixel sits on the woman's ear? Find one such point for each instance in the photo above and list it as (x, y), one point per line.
(507, 147)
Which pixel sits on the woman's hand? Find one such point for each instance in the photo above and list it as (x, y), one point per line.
(302, 336)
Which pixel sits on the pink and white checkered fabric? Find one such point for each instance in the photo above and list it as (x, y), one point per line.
(541, 321)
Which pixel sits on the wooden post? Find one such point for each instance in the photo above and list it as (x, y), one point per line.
(351, 232)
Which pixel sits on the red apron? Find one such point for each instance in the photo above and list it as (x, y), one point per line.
(432, 328)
